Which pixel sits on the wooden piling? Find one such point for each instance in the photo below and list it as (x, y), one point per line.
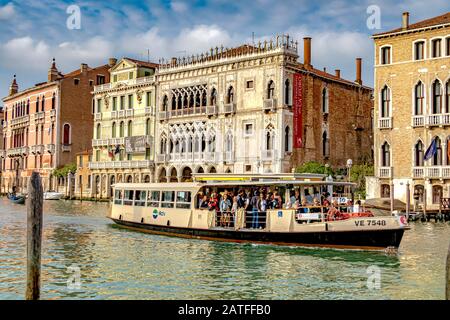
(392, 196)
(34, 237)
(447, 276)
(408, 200)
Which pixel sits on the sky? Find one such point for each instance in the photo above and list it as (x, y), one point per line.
(32, 32)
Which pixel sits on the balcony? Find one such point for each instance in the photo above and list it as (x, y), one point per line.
(267, 155)
(16, 152)
(228, 157)
(102, 87)
(418, 172)
(97, 116)
(138, 164)
(438, 120)
(2, 154)
(385, 123)
(211, 156)
(120, 114)
(385, 172)
(212, 110)
(149, 111)
(20, 122)
(66, 148)
(270, 105)
(37, 149)
(229, 108)
(418, 121)
(108, 142)
(50, 148)
(437, 172)
(162, 158)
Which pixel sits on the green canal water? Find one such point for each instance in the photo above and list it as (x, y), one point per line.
(119, 264)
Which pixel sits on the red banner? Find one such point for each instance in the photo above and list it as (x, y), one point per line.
(297, 106)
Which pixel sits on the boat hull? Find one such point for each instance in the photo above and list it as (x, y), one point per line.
(365, 240)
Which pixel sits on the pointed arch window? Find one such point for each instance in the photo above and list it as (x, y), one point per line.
(287, 92)
(447, 96)
(229, 142)
(122, 129)
(66, 134)
(130, 128)
(43, 104)
(418, 99)
(204, 99)
(165, 103)
(325, 100)
(37, 105)
(419, 154)
(113, 130)
(271, 90)
(287, 139)
(214, 97)
(270, 138)
(386, 155)
(437, 158)
(53, 101)
(385, 102)
(437, 97)
(325, 145)
(230, 95)
(98, 133)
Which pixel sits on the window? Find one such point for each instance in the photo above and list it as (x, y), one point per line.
(114, 104)
(287, 138)
(287, 92)
(418, 99)
(91, 83)
(147, 127)
(385, 191)
(130, 128)
(148, 98)
(437, 158)
(53, 103)
(98, 132)
(419, 154)
(325, 145)
(139, 199)
(99, 105)
(117, 196)
(436, 46)
(128, 197)
(122, 102)
(248, 168)
(437, 97)
(385, 102)
(249, 129)
(419, 50)
(76, 81)
(130, 75)
(385, 55)
(153, 199)
(37, 105)
(43, 104)
(100, 79)
(121, 129)
(130, 101)
(147, 153)
(250, 84)
(66, 134)
(385, 155)
(113, 130)
(183, 200)
(115, 78)
(437, 194)
(97, 155)
(80, 161)
(447, 97)
(168, 199)
(230, 95)
(165, 103)
(325, 100)
(271, 90)
(447, 46)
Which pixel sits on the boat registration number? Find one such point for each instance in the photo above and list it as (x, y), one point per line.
(370, 223)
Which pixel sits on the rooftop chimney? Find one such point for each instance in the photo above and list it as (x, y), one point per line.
(358, 71)
(112, 62)
(338, 73)
(307, 52)
(84, 67)
(13, 88)
(405, 20)
(174, 61)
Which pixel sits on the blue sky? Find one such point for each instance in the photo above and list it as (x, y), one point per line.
(33, 32)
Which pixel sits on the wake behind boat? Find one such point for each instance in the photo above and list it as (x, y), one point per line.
(314, 212)
(51, 195)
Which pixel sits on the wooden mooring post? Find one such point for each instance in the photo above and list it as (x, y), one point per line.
(34, 237)
(447, 276)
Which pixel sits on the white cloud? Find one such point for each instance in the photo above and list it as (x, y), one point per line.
(178, 6)
(7, 11)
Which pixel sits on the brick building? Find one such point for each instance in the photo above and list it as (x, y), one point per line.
(257, 109)
(412, 110)
(47, 124)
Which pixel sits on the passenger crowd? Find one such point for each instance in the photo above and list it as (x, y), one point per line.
(256, 202)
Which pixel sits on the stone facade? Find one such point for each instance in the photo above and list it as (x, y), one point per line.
(412, 108)
(124, 117)
(83, 180)
(46, 125)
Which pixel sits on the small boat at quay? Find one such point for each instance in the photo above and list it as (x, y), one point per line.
(51, 195)
(298, 210)
(17, 199)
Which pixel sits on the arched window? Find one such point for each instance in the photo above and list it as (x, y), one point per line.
(212, 144)
(163, 145)
(437, 158)
(191, 100)
(122, 129)
(53, 101)
(113, 130)
(213, 97)
(147, 127)
(287, 138)
(419, 190)
(419, 154)
(179, 102)
(437, 97)
(98, 132)
(448, 152)
(174, 102)
(385, 102)
(325, 145)
(270, 137)
(130, 128)
(28, 106)
(325, 100)
(385, 155)
(204, 99)
(418, 99)
(66, 134)
(447, 94)
(165, 103)
(185, 100)
(287, 91)
(271, 90)
(437, 194)
(37, 105)
(229, 142)
(230, 95)
(43, 104)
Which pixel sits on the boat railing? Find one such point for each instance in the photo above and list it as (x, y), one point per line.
(256, 220)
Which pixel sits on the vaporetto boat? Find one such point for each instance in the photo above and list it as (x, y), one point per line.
(176, 209)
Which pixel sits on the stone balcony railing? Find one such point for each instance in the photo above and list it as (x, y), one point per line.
(433, 172)
(385, 172)
(132, 82)
(66, 148)
(267, 155)
(98, 116)
(116, 141)
(212, 110)
(2, 153)
(14, 152)
(132, 164)
(162, 158)
(228, 157)
(270, 105)
(385, 123)
(229, 108)
(37, 149)
(418, 121)
(121, 114)
(438, 120)
(20, 122)
(192, 157)
(50, 148)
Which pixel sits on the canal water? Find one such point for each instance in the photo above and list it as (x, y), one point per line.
(114, 263)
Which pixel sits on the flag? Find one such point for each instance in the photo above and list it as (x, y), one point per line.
(110, 153)
(117, 149)
(431, 151)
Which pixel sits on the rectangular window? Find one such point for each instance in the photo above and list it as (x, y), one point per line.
(139, 199)
(76, 81)
(183, 200)
(99, 105)
(122, 102)
(130, 75)
(419, 50)
(100, 80)
(248, 168)
(447, 45)
(128, 198)
(114, 105)
(249, 129)
(129, 156)
(153, 199)
(147, 154)
(168, 199)
(81, 161)
(250, 84)
(149, 99)
(117, 197)
(436, 45)
(91, 83)
(89, 182)
(130, 101)
(97, 155)
(115, 78)
(386, 55)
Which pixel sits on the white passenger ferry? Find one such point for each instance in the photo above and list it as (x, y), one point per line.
(314, 212)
